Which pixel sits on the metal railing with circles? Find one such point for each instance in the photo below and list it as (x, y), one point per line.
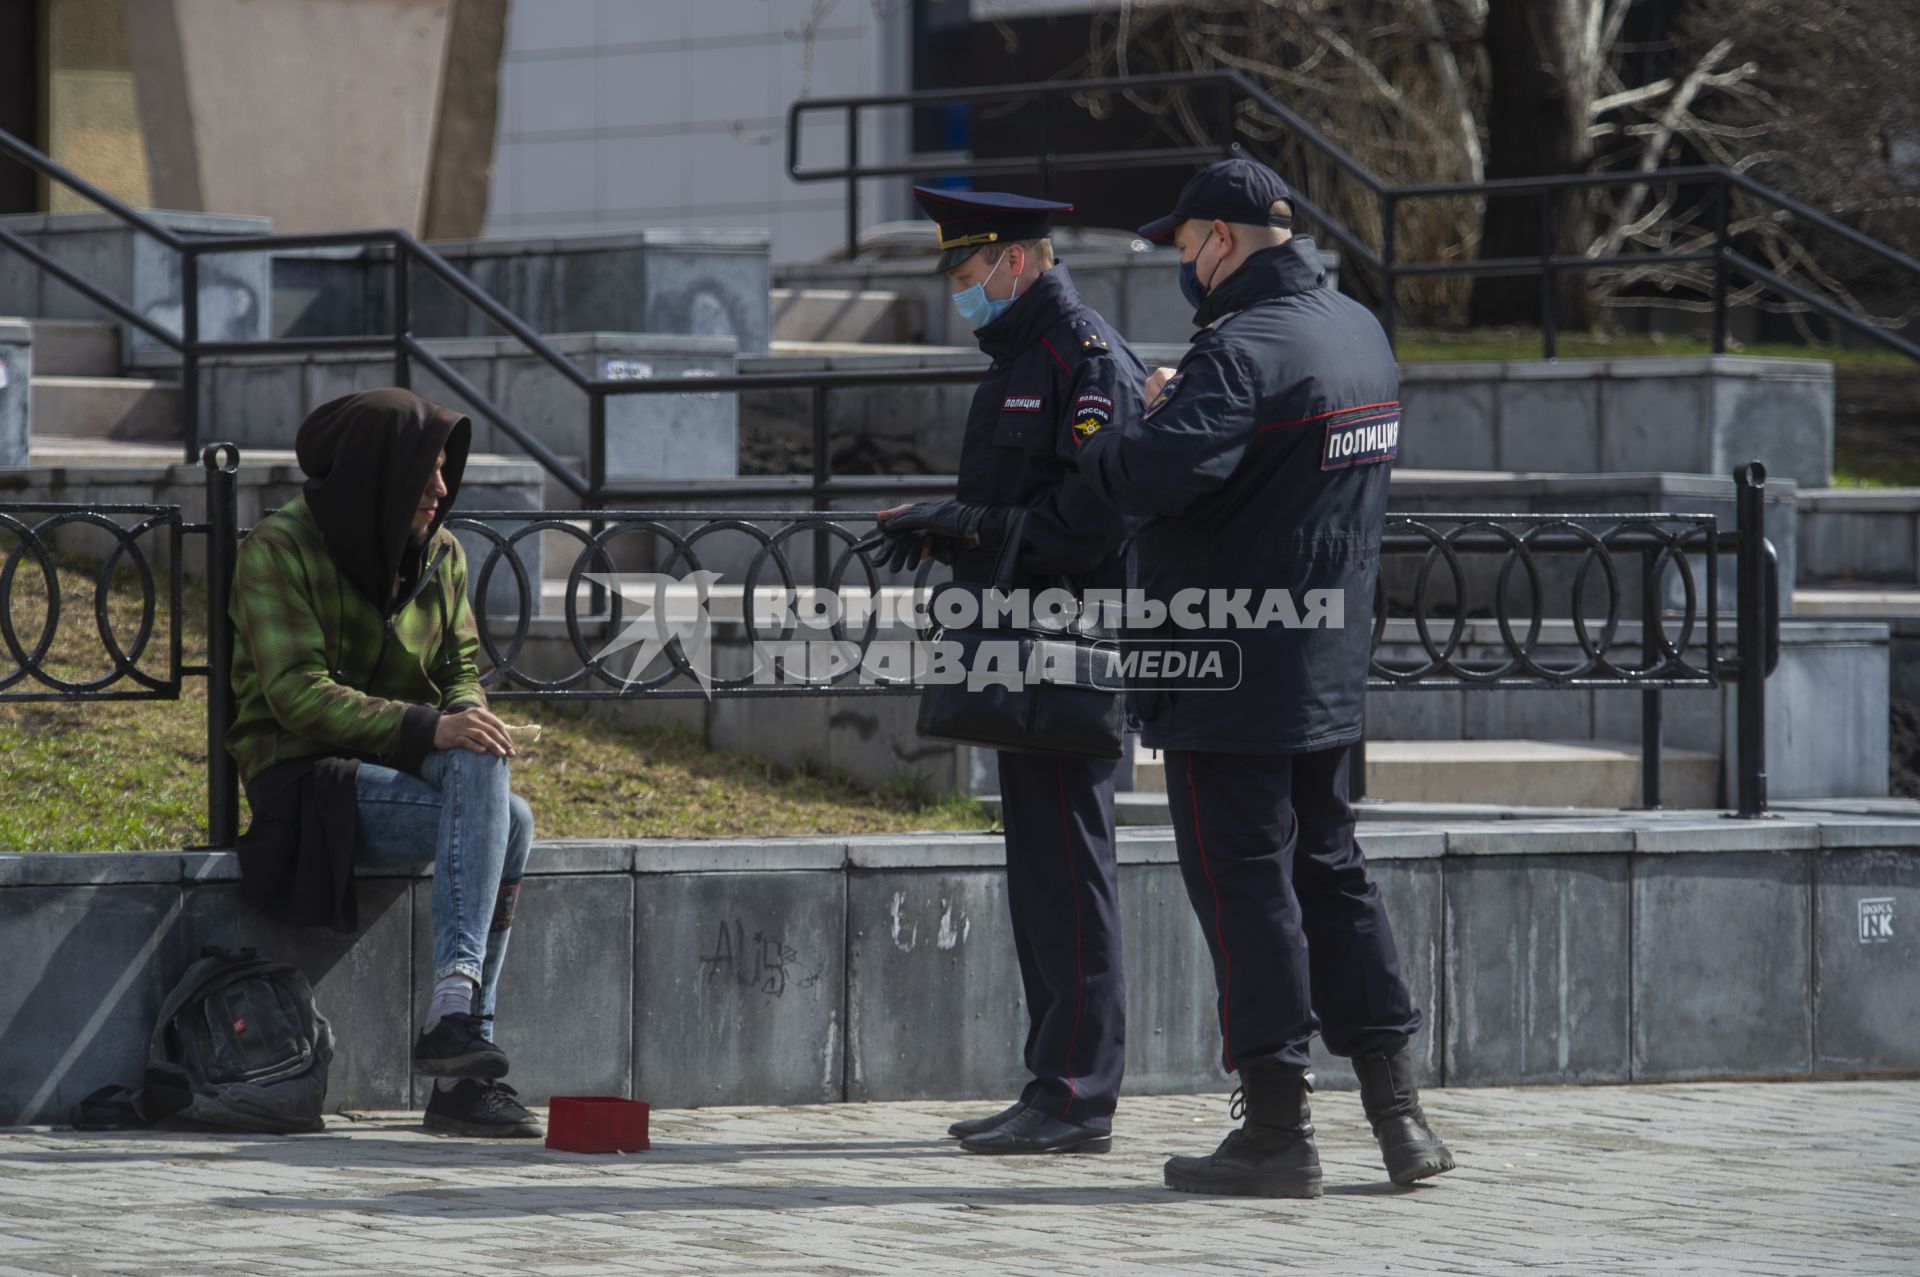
(1465, 601)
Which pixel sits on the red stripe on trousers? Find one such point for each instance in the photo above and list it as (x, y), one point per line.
(1079, 952)
(1219, 935)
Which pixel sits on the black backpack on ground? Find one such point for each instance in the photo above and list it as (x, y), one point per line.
(238, 1044)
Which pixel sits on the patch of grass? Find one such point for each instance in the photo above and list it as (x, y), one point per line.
(1885, 474)
(587, 779)
(103, 776)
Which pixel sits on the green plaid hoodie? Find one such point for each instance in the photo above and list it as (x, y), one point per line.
(318, 670)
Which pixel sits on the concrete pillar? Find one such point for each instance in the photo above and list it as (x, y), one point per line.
(322, 114)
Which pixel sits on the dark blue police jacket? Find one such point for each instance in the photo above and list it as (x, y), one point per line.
(1263, 466)
(1060, 373)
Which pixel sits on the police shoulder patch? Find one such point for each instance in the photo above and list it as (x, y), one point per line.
(1166, 393)
(1091, 403)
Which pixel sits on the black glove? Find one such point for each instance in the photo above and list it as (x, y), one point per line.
(901, 553)
(936, 528)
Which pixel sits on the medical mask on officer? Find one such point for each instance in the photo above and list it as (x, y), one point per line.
(975, 307)
(1190, 286)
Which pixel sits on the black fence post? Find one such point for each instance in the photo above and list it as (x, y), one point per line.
(598, 601)
(402, 315)
(822, 474)
(596, 443)
(222, 461)
(1549, 318)
(853, 183)
(1751, 637)
(1651, 706)
(190, 351)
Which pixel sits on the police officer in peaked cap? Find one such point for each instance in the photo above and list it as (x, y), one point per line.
(1260, 464)
(1059, 374)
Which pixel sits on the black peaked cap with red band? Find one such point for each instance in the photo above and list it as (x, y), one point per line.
(968, 221)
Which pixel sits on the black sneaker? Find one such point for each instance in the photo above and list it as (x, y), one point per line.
(457, 1047)
(487, 1110)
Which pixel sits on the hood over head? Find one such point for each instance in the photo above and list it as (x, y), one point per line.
(367, 457)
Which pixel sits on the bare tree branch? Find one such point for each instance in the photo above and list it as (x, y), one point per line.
(1656, 146)
(1465, 128)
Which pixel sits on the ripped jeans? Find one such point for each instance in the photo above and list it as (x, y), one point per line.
(459, 816)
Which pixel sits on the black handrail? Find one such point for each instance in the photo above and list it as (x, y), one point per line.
(33, 159)
(404, 250)
(1384, 264)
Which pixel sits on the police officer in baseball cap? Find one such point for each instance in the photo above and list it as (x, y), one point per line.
(1260, 465)
(1060, 374)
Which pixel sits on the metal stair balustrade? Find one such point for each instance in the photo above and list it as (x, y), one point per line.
(1229, 89)
(402, 251)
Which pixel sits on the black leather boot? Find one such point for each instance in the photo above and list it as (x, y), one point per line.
(1272, 1155)
(1412, 1151)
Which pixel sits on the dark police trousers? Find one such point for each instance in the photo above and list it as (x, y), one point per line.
(1064, 889)
(1299, 936)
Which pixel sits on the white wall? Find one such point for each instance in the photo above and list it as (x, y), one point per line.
(618, 114)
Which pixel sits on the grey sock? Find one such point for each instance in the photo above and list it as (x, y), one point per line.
(452, 996)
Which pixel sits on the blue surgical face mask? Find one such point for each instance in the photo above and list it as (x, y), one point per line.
(974, 306)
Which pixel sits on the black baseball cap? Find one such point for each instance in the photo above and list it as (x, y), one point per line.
(1240, 191)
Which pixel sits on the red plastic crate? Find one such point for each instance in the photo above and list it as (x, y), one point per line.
(597, 1124)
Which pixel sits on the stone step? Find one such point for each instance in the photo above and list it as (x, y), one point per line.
(1138, 809)
(843, 315)
(75, 348)
(120, 408)
(1879, 601)
(102, 462)
(1510, 773)
(1864, 536)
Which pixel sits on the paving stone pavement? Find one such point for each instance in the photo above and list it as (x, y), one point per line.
(1785, 1178)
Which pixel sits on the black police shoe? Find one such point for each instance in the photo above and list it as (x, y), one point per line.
(981, 1125)
(488, 1110)
(458, 1047)
(1272, 1155)
(1031, 1131)
(1409, 1147)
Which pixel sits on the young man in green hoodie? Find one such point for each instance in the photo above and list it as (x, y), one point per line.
(361, 729)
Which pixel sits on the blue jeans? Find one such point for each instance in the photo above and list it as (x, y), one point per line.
(459, 816)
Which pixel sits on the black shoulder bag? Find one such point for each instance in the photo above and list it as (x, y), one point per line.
(1037, 689)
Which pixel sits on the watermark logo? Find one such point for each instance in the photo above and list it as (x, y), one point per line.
(671, 610)
(980, 637)
(1876, 920)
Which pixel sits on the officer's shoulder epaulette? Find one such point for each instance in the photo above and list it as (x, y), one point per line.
(1085, 334)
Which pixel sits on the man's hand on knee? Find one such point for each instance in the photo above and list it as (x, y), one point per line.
(475, 729)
